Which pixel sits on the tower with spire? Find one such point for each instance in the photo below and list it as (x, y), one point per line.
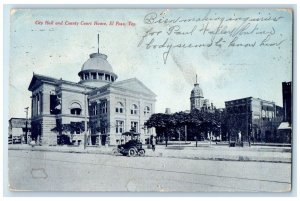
(196, 96)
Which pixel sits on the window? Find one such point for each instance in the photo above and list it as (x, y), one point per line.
(103, 130)
(103, 107)
(134, 109)
(119, 126)
(147, 110)
(75, 109)
(147, 131)
(55, 104)
(119, 108)
(94, 109)
(94, 76)
(100, 75)
(134, 126)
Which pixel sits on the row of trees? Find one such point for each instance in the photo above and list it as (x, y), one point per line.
(197, 124)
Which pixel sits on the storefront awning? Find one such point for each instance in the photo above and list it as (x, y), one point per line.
(284, 126)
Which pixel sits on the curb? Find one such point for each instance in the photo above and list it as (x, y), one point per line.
(237, 158)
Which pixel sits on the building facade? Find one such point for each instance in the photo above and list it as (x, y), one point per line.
(287, 101)
(253, 119)
(19, 130)
(94, 111)
(285, 128)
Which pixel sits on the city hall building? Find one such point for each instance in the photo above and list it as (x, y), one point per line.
(105, 106)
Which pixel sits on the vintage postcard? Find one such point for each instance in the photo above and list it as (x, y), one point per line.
(150, 100)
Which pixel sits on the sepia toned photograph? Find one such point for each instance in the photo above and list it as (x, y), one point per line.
(150, 100)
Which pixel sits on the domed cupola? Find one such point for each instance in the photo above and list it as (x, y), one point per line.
(96, 71)
(197, 91)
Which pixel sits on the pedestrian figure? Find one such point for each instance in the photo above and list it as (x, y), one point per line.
(153, 143)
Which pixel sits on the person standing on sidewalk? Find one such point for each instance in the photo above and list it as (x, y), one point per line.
(153, 143)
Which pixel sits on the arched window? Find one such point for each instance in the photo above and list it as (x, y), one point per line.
(146, 110)
(119, 108)
(134, 109)
(75, 108)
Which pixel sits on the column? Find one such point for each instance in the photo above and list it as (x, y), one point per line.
(37, 103)
(46, 103)
(141, 116)
(31, 106)
(127, 115)
(142, 120)
(152, 111)
(41, 102)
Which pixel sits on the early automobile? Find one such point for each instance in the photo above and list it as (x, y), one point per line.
(132, 145)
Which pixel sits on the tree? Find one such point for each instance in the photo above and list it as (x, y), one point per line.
(173, 125)
(161, 122)
(67, 131)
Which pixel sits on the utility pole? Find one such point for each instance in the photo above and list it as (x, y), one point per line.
(209, 132)
(26, 125)
(247, 131)
(185, 130)
(179, 138)
(99, 138)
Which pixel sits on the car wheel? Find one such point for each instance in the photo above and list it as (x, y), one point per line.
(131, 152)
(142, 152)
(116, 151)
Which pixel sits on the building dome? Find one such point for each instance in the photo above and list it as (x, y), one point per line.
(197, 91)
(97, 61)
(96, 71)
(196, 97)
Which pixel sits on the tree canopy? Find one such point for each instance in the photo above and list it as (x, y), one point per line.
(197, 122)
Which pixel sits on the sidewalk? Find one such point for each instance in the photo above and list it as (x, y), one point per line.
(219, 153)
(224, 153)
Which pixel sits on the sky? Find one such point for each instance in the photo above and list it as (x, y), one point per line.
(224, 72)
